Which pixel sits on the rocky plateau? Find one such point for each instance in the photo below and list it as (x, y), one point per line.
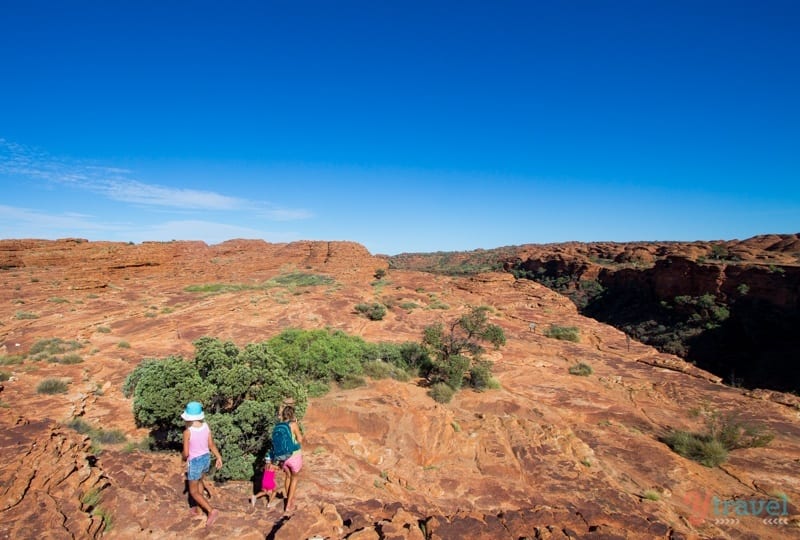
(548, 455)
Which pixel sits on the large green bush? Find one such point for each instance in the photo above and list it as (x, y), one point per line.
(242, 389)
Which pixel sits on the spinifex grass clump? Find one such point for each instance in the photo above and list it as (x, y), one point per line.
(722, 435)
(566, 333)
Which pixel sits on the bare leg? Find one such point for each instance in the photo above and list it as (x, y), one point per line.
(196, 492)
(205, 487)
(290, 491)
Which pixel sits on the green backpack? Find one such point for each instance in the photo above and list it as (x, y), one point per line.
(283, 444)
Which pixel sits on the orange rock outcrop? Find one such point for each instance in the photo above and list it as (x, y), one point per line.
(548, 455)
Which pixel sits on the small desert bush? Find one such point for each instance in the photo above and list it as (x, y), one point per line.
(374, 311)
(98, 435)
(723, 434)
(66, 359)
(652, 495)
(25, 315)
(80, 425)
(5, 375)
(124, 345)
(581, 369)
(104, 329)
(91, 498)
(7, 360)
(441, 392)
(378, 369)
(700, 448)
(48, 347)
(52, 386)
(408, 306)
(565, 333)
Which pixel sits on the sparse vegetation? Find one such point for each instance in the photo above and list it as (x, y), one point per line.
(7, 360)
(25, 315)
(52, 386)
(290, 280)
(652, 495)
(441, 392)
(104, 329)
(722, 434)
(565, 333)
(124, 345)
(47, 349)
(5, 375)
(743, 289)
(374, 311)
(581, 369)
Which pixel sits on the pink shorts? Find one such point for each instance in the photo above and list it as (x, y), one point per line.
(294, 463)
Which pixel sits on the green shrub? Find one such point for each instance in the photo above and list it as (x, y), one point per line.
(5, 375)
(701, 448)
(379, 369)
(57, 300)
(376, 369)
(25, 315)
(91, 498)
(67, 359)
(380, 273)
(456, 353)
(743, 289)
(124, 345)
(104, 329)
(480, 375)
(441, 392)
(242, 389)
(374, 311)
(49, 347)
(723, 434)
(317, 388)
(565, 333)
(7, 360)
(652, 495)
(80, 425)
(581, 369)
(408, 306)
(52, 386)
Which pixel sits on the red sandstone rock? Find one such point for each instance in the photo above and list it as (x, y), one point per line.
(549, 455)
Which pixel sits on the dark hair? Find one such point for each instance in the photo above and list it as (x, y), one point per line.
(287, 415)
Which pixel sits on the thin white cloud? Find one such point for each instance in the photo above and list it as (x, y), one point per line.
(116, 183)
(151, 195)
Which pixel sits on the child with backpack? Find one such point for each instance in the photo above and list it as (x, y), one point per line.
(267, 483)
(287, 451)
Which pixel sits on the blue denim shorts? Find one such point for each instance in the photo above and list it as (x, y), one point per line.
(198, 467)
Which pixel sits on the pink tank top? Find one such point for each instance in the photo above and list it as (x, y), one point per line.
(198, 440)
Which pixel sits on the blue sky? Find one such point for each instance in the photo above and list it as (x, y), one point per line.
(405, 126)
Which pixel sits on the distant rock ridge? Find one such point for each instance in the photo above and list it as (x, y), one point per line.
(754, 283)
